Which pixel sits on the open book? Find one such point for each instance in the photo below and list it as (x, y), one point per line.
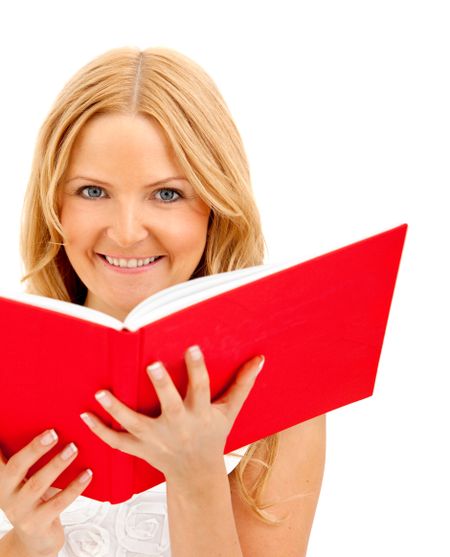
(320, 324)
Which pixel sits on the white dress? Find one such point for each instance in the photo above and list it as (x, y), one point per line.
(135, 528)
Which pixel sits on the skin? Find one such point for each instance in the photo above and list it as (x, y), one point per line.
(186, 442)
(129, 152)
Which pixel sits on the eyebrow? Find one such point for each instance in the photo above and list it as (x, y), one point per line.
(106, 183)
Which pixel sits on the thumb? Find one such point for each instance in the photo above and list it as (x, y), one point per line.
(236, 395)
(251, 370)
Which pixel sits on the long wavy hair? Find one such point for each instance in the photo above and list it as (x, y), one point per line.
(171, 88)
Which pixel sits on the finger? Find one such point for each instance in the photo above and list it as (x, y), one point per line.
(51, 491)
(172, 404)
(122, 441)
(20, 462)
(2, 458)
(233, 400)
(198, 395)
(132, 421)
(38, 484)
(54, 506)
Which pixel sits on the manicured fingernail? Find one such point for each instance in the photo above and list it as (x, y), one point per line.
(49, 437)
(69, 451)
(104, 398)
(156, 370)
(87, 419)
(195, 352)
(85, 476)
(260, 365)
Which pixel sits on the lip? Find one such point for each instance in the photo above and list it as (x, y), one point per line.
(126, 258)
(132, 271)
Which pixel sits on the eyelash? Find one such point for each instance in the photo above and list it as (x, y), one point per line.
(79, 190)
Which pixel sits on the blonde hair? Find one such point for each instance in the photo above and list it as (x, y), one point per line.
(180, 95)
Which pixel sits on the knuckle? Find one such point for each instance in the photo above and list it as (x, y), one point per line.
(28, 527)
(34, 484)
(185, 438)
(206, 418)
(175, 408)
(14, 466)
(63, 499)
(201, 384)
(138, 426)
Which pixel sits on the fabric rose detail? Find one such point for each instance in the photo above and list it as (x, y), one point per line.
(88, 540)
(141, 525)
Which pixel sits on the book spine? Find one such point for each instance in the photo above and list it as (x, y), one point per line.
(124, 354)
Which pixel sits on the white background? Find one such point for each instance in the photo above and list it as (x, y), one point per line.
(344, 112)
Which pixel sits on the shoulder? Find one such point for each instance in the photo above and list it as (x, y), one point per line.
(297, 470)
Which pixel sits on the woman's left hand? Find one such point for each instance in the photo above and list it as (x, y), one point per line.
(190, 435)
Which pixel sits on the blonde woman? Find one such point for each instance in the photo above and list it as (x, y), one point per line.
(140, 158)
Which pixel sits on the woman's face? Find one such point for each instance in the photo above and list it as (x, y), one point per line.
(111, 205)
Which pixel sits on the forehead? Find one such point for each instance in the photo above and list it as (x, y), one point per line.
(136, 141)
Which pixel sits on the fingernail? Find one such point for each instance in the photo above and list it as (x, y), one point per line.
(260, 365)
(156, 370)
(49, 437)
(69, 451)
(103, 398)
(85, 476)
(87, 419)
(195, 352)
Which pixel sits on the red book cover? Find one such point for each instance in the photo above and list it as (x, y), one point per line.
(320, 324)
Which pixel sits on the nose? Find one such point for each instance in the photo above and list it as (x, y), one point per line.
(127, 225)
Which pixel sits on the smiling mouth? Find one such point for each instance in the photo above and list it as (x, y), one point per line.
(125, 267)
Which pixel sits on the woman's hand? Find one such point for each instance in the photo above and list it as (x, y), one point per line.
(26, 502)
(190, 435)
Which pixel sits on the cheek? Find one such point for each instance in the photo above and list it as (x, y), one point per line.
(77, 226)
(188, 234)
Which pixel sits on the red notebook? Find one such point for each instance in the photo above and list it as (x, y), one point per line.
(320, 324)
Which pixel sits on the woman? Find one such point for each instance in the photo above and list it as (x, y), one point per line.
(140, 158)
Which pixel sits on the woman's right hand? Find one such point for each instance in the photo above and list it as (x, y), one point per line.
(36, 522)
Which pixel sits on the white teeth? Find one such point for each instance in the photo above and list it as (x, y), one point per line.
(130, 263)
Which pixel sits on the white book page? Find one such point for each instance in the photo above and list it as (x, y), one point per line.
(159, 305)
(187, 288)
(68, 308)
(138, 312)
(200, 291)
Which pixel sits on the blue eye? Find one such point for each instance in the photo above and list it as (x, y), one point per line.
(100, 189)
(169, 190)
(88, 187)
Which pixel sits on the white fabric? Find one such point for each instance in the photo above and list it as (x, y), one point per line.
(135, 528)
